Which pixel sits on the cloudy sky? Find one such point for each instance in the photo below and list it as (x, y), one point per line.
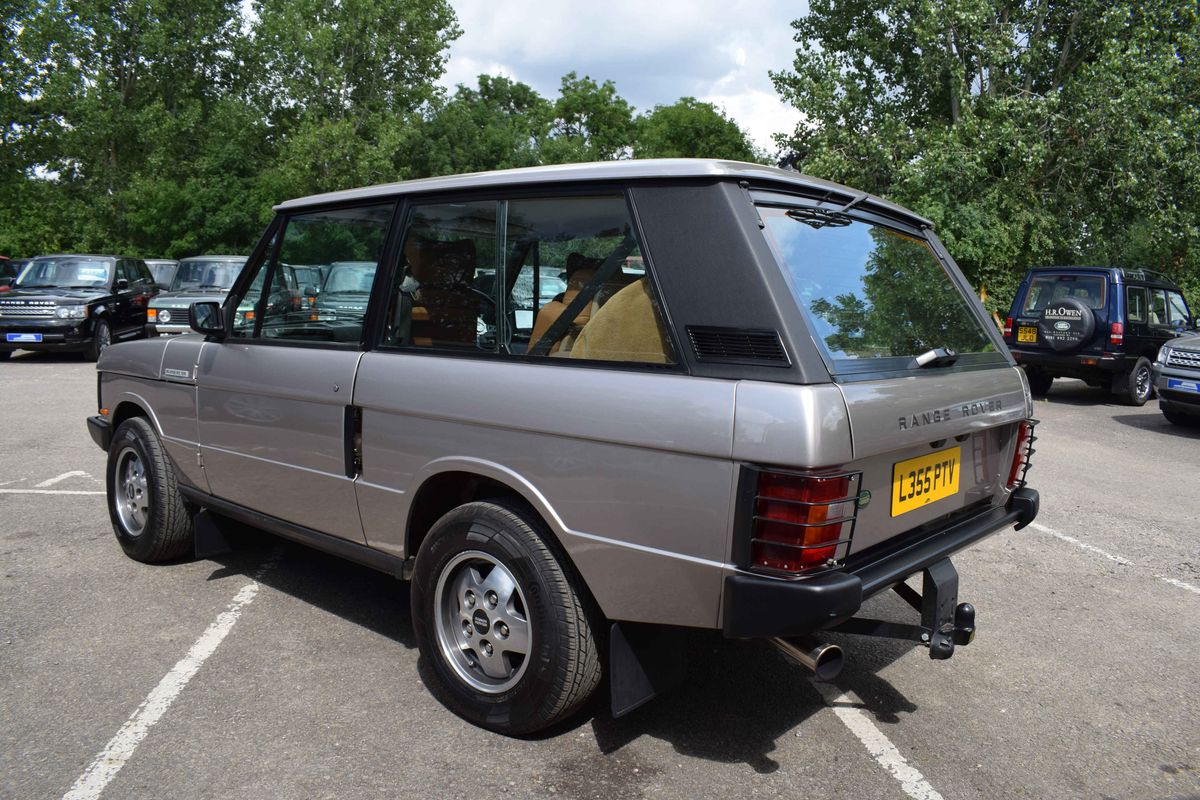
(655, 52)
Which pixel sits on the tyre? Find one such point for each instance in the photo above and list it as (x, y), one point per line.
(101, 338)
(1039, 382)
(502, 621)
(1137, 386)
(1178, 417)
(148, 514)
(5, 355)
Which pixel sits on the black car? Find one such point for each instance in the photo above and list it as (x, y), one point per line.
(75, 303)
(9, 270)
(1103, 325)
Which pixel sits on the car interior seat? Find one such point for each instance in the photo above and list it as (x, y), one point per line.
(445, 307)
(625, 329)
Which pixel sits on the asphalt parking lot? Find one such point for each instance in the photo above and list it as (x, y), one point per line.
(1081, 682)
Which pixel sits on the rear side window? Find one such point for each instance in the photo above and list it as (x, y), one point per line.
(1158, 308)
(1045, 289)
(1135, 302)
(869, 292)
(555, 277)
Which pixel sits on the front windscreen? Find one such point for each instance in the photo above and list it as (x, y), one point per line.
(205, 275)
(350, 278)
(874, 297)
(72, 272)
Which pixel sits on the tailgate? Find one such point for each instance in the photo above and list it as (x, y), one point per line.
(930, 444)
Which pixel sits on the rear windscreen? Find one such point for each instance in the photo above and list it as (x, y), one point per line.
(1045, 289)
(871, 293)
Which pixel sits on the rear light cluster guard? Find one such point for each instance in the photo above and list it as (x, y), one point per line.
(794, 522)
(1022, 453)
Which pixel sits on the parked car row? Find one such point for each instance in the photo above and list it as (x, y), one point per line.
(1113, 328)
(84, 302)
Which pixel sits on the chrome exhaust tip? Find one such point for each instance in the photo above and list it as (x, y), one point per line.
(823, 660)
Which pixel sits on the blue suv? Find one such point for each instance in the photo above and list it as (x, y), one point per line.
(1103, 325)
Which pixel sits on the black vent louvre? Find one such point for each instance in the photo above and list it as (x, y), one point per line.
(738, 346)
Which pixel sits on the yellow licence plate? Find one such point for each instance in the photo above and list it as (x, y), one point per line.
(920, 481)
(1026, 334)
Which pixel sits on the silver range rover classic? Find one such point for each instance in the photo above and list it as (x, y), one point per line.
(758, 399)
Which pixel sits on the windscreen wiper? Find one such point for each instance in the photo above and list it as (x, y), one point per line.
(938, 357)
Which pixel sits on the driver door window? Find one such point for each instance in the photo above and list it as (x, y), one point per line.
(348, 242)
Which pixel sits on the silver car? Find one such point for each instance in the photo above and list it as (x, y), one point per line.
(759, 399)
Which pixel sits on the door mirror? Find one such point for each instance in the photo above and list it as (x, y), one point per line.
(205, 317)
(121, 285)
(7, 283)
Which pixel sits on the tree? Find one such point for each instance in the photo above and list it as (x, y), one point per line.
(691, 129)
(501, 124)
(591, 123)
(342, 81)
(1030, 131)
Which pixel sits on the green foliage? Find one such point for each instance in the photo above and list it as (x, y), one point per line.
(1034, 132)
(591, 123)
(691, 129)
(497, 126)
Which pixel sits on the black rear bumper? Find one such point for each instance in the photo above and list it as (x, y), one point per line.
(759, 606)
(1071, 365)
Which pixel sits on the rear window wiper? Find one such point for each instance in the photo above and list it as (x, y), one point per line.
(938, 357)
(820, 217)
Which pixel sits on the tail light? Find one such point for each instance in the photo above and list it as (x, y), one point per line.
(1008, 323)
(1021, 454)
(1116, 334)
(800, 521)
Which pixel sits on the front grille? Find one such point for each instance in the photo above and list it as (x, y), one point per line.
(15, 310)
(1187, 359)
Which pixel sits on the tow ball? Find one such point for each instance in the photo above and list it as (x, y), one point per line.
(945, 622)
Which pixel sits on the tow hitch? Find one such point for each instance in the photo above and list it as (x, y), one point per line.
(944, 621)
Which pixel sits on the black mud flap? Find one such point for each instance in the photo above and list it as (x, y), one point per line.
(944, 621)
(210, 539)
(643, 660)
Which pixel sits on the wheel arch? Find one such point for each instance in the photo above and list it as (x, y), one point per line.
(448, 483)
(130, 405)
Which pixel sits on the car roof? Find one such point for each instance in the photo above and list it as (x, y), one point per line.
(1122, 274)
(78, 255)
(629, 169)
(213, 258)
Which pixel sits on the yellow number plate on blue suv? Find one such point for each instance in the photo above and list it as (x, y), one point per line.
(923, 480)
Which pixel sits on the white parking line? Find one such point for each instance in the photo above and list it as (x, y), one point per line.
(849, 709)
(121, 747)
(45, 491)
(62, 477)
(1124, 562)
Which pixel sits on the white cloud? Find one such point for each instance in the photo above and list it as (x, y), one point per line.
(719, 52)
